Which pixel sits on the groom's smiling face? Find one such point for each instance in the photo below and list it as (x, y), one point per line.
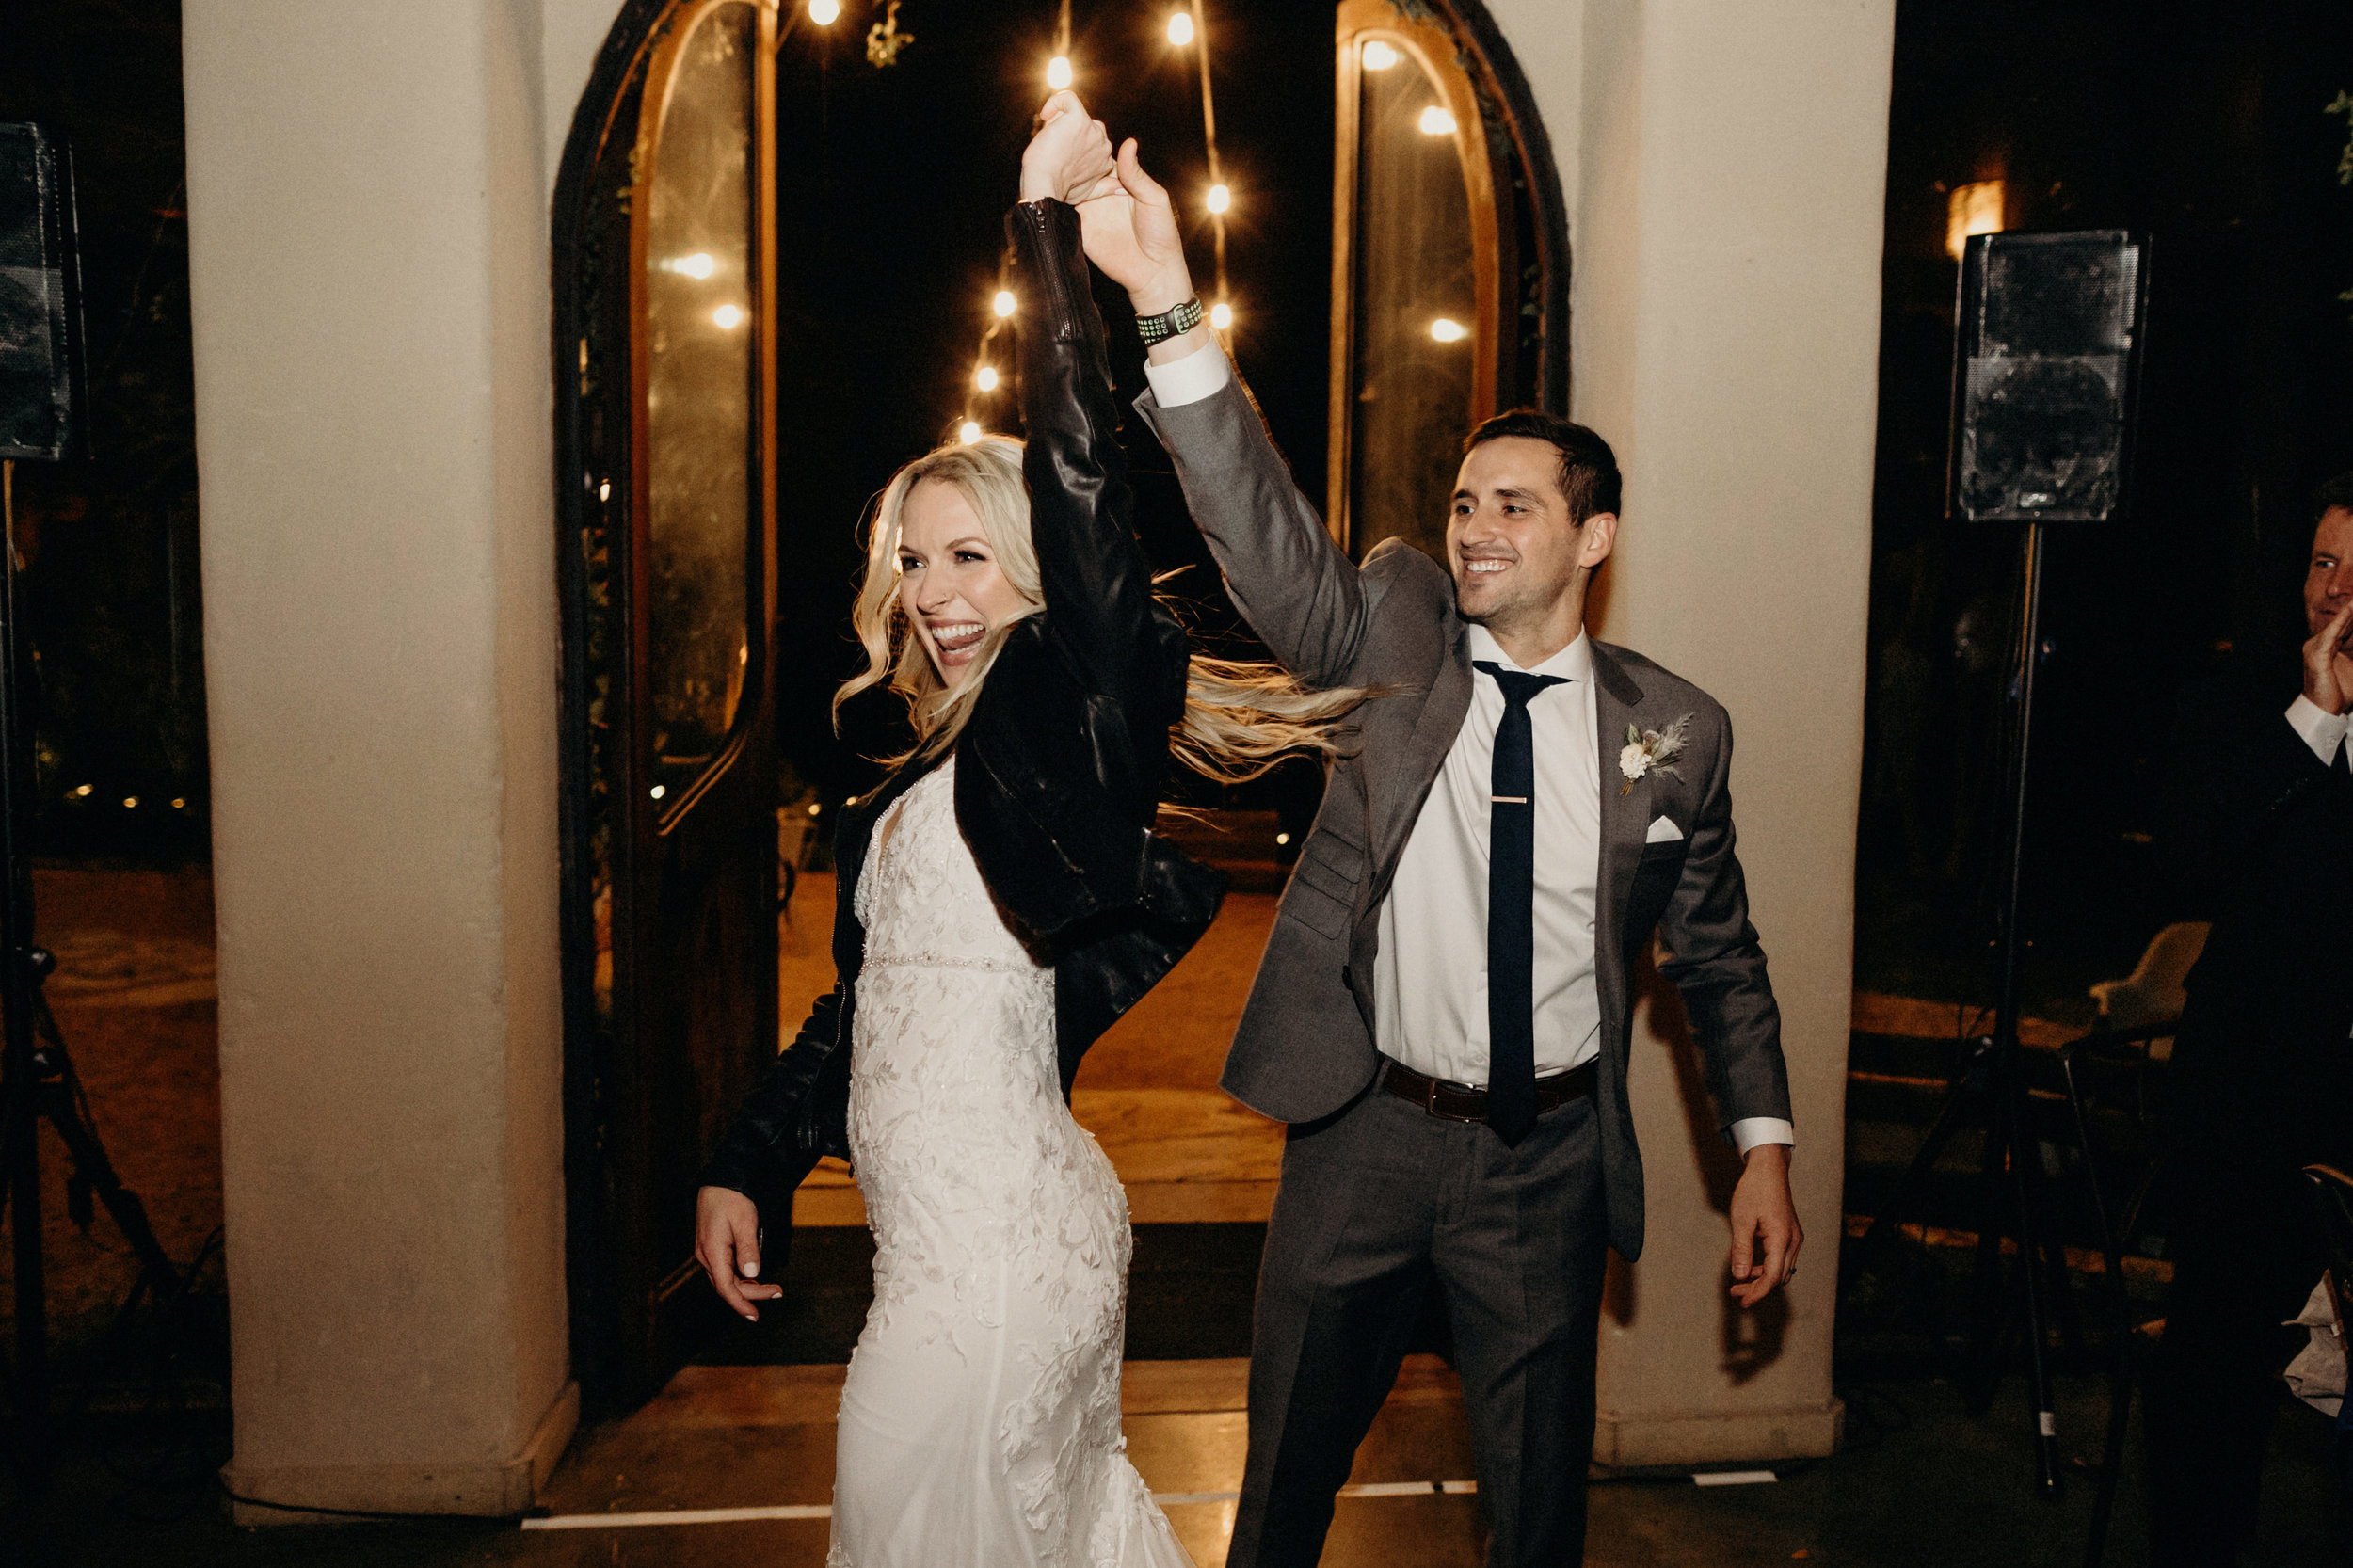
(1515, 553)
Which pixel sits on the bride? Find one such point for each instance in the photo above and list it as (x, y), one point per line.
(1003, 901)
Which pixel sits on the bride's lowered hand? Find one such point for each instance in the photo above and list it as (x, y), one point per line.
(727, 1244)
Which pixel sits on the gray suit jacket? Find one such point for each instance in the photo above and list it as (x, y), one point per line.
(1305, 1047)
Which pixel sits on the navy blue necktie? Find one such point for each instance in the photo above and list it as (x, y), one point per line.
(1512, 909)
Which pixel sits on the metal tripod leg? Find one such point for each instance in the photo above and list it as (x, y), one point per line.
(2120, 1328)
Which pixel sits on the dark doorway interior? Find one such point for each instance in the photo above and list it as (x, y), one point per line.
(893, 183)
(2208, 128)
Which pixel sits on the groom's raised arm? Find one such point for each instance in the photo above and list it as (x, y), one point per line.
(1302, 595)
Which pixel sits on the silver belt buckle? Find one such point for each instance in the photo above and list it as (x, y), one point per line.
(1429, 1100)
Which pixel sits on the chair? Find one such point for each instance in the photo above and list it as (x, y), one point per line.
(2154, 991)
(2332, 1212)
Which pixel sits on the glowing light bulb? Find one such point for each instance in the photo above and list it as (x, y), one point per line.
(1004, 302)
(1221, 315)
(968, 432)
(178, 804)
(1181, 29)
(825, 12)
(82, 791)
(1281, 838)
(728, 317)
(130, 803)
(1446, 329)
(985, 378)
(1379, 56)
(658, 790)
(1058, 73)
(1435, 122)
(1219, 199)
(696, 266)
(605, 490)
(816, 808)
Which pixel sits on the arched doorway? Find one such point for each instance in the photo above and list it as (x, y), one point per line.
(665, 376)
(703, 633)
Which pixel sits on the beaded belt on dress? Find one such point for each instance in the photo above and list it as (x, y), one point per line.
(951, 961)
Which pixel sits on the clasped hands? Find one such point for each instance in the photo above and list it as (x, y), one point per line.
(1125, 216)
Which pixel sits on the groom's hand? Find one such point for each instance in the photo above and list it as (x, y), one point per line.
(1069, 159)
(1764, 1219)
(1131, 231)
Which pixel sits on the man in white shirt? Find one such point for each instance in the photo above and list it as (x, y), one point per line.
(1443, 1011)
(2260, 837)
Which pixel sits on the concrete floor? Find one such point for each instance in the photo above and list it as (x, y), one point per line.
(1920, 1481)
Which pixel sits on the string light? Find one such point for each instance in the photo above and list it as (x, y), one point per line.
(968, 432)
(985, 378)
(1179, 29)
(1447, 329)
(1435, 122)
(1058, 73)
(728, 317)
(1379, 56)
(825, 13)
(1221, 195)
(1004, 302)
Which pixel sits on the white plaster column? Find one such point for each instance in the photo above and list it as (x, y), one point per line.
(368, 207)
(1725, 165)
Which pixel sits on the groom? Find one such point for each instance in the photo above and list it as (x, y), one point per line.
(1442, 1013)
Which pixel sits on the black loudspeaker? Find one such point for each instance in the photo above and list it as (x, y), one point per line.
(41, 349)
(2045, 376)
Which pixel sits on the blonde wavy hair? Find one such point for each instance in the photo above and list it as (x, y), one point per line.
(1241, 717)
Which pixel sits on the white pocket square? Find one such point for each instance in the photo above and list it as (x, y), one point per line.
(1662, 831)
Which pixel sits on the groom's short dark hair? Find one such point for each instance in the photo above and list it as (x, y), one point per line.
(1589, 470)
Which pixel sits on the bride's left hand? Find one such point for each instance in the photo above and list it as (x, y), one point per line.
(1070, 157)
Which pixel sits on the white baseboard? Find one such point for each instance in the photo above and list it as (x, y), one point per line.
(492, 1490)
(1642, 1442)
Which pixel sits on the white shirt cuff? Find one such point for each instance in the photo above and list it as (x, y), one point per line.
(1194, 377)
(2323, 732)
(1748, 1131)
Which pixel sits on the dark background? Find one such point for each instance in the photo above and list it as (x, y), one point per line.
(2203, 125)
(111, 600)
(894, 185)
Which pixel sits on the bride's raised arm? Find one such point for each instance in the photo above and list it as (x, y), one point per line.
(1100, 614)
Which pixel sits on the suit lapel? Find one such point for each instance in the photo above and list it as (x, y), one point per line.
(1399, 791)
(1624, 822)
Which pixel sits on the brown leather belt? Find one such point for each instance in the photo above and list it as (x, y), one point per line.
(1459, 1102)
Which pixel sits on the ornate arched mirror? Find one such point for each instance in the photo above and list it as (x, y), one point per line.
(665, 563)
(1449, 272)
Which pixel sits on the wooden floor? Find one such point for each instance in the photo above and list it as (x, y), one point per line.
(758, 1441)
(1149, 1090)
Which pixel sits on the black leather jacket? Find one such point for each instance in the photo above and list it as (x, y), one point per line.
(1060, 762)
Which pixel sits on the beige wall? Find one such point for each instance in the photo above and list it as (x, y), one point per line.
(368, 195)
(1725, 163)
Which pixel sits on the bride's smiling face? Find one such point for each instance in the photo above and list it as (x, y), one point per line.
(949, 582)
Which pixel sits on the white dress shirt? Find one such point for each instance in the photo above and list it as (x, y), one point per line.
(2323, 732)
(1430, 980)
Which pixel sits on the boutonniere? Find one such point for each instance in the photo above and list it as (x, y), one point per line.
(1650, 751)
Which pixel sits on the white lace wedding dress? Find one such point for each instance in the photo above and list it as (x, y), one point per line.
(980, 1422)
